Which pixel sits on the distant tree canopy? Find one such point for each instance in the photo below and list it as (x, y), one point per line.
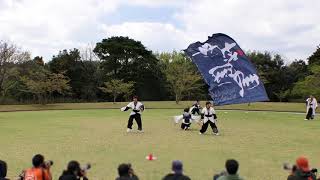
(118, 67)
(127, 59)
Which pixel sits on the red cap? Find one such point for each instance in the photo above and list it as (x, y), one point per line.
(303, 164)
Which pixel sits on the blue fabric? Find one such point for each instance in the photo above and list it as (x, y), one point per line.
(231, 77)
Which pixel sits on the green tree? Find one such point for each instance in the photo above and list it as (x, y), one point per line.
(180, 74)
(84, 74)
(310, 85)
(116, 87)
(10, 57)
(127, 59)
(42, 83)
(314, 59)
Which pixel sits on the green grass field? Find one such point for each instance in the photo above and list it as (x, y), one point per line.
(261, 141)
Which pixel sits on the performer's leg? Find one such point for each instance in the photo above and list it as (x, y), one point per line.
(182, 125)
(214, 127)
(139, 122)
(309, 114)
(198, 111)
(204, 127)
(130, 122)
(187, 126)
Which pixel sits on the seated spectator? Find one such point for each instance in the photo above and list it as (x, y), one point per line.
(126, 172)
(3, 170)
(73, 172)
(303, 171)
(232, 167)
(40, 169)
(177, 172)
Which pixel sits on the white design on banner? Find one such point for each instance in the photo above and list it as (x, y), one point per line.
(227, 70)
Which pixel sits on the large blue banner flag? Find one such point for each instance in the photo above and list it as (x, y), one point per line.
(231, 76)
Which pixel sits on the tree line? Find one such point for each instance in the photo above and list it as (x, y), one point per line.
(118, 67)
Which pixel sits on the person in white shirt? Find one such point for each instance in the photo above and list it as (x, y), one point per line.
(209, 117)
(137, 107)
(311, 107)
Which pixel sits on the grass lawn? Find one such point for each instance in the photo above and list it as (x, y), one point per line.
(269, 106)
(261, 141)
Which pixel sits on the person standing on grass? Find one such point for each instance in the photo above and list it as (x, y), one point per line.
(209, 117)
(137, 107)
(311, 107)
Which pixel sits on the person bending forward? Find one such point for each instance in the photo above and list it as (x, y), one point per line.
(137, 107)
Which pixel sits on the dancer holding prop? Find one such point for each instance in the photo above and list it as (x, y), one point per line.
(187, 118)
(137, 107)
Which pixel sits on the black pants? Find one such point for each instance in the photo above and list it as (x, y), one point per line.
(195, 110)
(137, 117)
(183, 125)
(205, 127)
(310, 114)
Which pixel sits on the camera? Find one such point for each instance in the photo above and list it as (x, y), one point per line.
(293, 168)
(84, 169)
(47, 164)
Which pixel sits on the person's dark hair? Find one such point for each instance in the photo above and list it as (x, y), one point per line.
(123, 169)
(37, 160)
(135, 97)
(208, 102)
(186, 110)
(73, 166)
(232, 166)
(3, 169)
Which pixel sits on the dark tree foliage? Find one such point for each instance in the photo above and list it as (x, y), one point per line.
(314, 59)
(84, 75)
(127, 59)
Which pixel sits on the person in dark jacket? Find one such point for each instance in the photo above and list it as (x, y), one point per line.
(303, 171)
(3, 170)
(177, 169)
(73, 172)
(126, 172)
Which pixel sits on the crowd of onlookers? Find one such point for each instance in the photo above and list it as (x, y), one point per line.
(41, 171)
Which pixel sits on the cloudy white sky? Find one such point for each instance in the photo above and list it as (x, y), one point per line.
(43, 27)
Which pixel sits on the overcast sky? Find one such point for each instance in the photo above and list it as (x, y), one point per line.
(43, 27)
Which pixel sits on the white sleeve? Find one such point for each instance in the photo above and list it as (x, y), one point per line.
(129, 105)
(203, 111)
(213, 111)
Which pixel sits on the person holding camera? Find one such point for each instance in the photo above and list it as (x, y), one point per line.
(126, 172)
(137, 107)
(3, 170)
(232, 167)
(40, 169)
(303, 171)
(74, 172)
